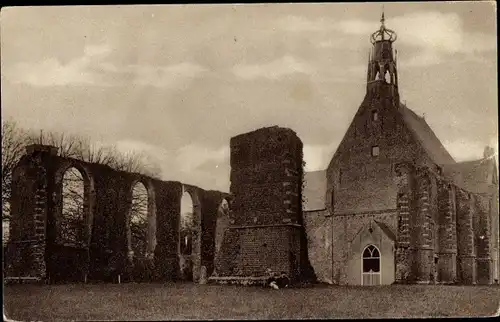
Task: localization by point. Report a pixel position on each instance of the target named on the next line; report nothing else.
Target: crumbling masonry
(34, 251)
(265, 231)
(391, 186)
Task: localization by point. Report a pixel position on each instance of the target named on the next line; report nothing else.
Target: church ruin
(266, 231)
(393, 206)
(102, 249)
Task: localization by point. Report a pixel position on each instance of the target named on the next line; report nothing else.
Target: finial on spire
(382, 20)
(383, 31)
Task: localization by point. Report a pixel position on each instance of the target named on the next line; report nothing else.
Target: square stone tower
(265, 218)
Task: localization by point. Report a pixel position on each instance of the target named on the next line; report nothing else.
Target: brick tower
(265, 229)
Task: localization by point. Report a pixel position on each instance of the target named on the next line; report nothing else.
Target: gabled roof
(383, 227)
(474, 176)
(314, 190)
(386, 230)
(424, 134)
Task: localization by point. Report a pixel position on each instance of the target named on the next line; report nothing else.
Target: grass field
(191, 301)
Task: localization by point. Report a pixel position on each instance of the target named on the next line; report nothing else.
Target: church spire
(382, 69)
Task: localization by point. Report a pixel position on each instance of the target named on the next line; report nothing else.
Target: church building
(393, 206)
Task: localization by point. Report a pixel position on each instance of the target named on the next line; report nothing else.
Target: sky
(176, 82)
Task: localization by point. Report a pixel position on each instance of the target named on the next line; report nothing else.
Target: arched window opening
(5, 227)
(186, 225)
(221, 224)
(371, 266)
(186, 230)
(387, 77)
(139, 221)
(224, 208)
(377, 76)
(72, 222)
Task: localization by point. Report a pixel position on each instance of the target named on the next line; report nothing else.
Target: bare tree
(72, 221)
(186, 224)
(139, 220)
(81, 148)
(14, 140)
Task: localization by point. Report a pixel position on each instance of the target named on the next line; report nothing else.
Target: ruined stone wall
(27, 242)
(318, 227)
(265, 221)
(34, 249)
(211, 226)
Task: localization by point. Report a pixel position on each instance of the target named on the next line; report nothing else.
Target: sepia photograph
(250, 161)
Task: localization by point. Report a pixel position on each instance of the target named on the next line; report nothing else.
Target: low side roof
(386, 230)
(474, 176)
(426, 136)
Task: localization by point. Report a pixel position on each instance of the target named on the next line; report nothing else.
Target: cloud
(184, 164)
(167, 76)
(276, 69)
(99, 51)
(425, 58)
(355, 27)
(52, 73)
(209, 167)
(192, 156)
(436, 35)
(299, 24)
(465, 149)
(317, 156)
(93, 69)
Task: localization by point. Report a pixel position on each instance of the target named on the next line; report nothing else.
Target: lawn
(190, 301)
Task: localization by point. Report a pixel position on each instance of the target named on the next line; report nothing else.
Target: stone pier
(265, 220)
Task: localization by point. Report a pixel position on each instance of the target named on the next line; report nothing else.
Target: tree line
(16, 138)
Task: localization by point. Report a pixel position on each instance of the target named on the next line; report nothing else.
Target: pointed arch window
(371, 266)
(388, 77)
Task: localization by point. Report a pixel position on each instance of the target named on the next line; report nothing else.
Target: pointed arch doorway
(370, 266)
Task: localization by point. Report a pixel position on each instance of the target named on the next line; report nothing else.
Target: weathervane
(382, 20)
(380, 35)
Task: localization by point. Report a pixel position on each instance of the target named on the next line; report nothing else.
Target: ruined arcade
(102, 251)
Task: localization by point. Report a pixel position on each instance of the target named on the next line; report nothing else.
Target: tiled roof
(424, 134)
(314, 190)
(474, 176)
(386, 230)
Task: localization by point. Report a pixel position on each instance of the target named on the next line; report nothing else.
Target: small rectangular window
(375, 151)
(374, 115)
